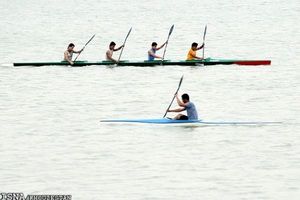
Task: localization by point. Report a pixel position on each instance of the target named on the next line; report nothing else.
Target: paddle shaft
(170, 32)
(124, 45)
(170, 105)
(165, 50)
(84, 47)
(204, 41)
(173, 97)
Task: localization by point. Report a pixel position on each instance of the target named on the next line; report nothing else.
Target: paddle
(170, 32)
(174, 96)
(84, 47)
(124, 45)
(204, 41)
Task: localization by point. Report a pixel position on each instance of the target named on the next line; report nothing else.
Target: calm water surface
(51, 138)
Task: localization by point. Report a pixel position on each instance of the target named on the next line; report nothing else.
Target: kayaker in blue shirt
(152, 51)
(185, 104)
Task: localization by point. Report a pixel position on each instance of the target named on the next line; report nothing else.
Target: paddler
(152, 51)
(185, 104)
(111, 50)
(192, 52)
(68, 54)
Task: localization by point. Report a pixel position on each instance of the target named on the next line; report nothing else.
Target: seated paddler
(68, 54)
(185, 105)
(152, 52)
(192, 54)
(111, 50)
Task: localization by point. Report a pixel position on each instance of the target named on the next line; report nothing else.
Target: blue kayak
(172, 121)
(152, 121)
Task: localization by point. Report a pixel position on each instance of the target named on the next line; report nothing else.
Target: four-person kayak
(207, 61)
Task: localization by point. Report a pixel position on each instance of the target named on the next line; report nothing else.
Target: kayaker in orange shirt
(192, 52)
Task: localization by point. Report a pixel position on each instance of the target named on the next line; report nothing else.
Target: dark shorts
(183, 117)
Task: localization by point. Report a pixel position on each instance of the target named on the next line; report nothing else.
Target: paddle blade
(128, 33)
(171, 29)
(180, 82)
(204, 33)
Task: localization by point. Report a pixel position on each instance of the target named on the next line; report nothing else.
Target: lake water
(53, 143)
